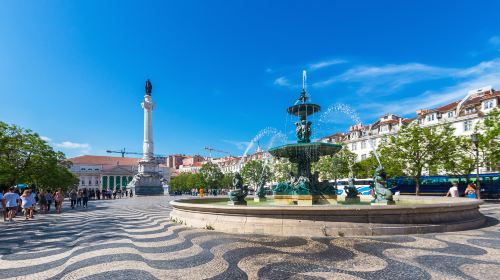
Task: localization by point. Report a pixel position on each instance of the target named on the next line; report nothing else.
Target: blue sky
(222, 71)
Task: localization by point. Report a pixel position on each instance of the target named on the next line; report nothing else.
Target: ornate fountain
(304, 188)
(352, 217)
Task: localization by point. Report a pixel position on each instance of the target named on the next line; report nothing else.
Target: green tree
(253, 170)
(462, 158)
(26, 158)
(227, 181)
(179, 182)
(489, 139)
(416, 149)
(281, 169)
(194, 180)
(336, 166)
(365, 167)
(212, 175)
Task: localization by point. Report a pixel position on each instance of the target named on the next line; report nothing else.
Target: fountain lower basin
(411, 215)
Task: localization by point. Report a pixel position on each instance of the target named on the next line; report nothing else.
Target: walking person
(85, 198)
(79, 198)
(48, 197)
(11, 200)
(73, 196)
(33, 197)
(58, 198)
(27, 205)
(42, 201)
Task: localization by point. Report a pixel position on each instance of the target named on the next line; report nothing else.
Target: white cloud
(269, 70)
(72, 145)
(83, 148)
(435, 98)
(495, 42)
(326, 63)
(282, 81)
(387, 77)
(45, 138)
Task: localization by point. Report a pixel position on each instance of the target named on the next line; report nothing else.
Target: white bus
(363, 185)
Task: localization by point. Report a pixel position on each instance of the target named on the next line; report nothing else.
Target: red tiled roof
(448, 107)
(388, 122)
(105, 160)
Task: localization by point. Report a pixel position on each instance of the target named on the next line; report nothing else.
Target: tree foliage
(26, 158)
(415, 149)
(211, 174)
(281, 170)
(336, 166)
(489, 139)
(253, 171)
(227, 181)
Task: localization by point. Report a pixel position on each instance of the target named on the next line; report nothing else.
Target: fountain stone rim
(446, 214)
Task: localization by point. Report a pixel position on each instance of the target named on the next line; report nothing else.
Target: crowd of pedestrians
(201, 192)
(15, 201)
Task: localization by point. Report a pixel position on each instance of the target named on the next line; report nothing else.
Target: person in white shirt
(453, 191)
(26, 204)
(11, 200)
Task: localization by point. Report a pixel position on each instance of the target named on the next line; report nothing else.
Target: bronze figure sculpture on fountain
(381, 194)
(239, 192)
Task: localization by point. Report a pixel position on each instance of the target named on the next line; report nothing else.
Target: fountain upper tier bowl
(303, 110)
(300, 151)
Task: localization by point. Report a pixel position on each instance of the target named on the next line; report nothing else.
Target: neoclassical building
(105, 172)
(463, 115)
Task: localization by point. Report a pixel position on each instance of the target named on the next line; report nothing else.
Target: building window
(488, 104)
(363, 144)
(354, 146)
(467, 125)
(83, 183)
(451, 114)
(430, 117)
(470, 110)
(363, 157)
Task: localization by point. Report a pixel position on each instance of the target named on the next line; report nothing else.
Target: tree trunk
(417, 185)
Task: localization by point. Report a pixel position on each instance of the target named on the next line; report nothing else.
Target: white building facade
(463, 115)
(104, 172)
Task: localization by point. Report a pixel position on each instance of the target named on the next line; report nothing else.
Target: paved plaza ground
(134, 239)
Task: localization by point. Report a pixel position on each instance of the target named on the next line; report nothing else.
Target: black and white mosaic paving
(134, 239)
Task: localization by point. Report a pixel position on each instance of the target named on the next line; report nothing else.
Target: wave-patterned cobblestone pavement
(134, 239)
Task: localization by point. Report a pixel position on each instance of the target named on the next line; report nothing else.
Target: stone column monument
(148, 181)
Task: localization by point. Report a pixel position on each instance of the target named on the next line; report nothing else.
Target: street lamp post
(475, 140)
